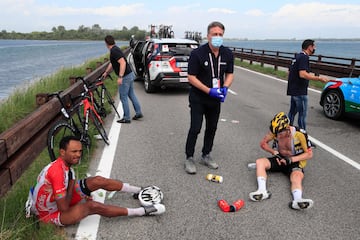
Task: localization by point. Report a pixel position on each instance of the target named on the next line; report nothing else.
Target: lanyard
(212, 66)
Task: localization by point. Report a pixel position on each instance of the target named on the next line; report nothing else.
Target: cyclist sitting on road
(58, 197)
(290, 153)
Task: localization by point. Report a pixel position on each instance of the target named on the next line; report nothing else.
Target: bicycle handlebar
(64, 107)
(85, 94)
(102, 78)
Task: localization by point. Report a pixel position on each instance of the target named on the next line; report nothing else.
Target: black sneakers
(138, 116)
(123, 120)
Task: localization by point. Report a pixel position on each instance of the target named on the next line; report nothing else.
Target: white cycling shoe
(301, 204)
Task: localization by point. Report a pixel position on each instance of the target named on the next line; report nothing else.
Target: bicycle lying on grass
(76, 120)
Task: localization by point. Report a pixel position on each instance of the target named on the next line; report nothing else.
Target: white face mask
(216, 41)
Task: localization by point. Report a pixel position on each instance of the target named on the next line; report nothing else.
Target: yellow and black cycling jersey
(299, 143)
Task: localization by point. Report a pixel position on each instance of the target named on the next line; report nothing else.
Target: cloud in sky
(242, 20)
(221, 11)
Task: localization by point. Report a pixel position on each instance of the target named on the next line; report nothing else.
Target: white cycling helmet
(150, 195)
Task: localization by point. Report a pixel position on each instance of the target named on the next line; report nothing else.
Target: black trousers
(211, 111)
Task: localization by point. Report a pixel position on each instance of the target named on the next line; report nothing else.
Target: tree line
(82, 33)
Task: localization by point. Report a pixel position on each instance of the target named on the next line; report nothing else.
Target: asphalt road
(151, 152)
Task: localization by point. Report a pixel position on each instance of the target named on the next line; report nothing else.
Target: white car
(161, 62)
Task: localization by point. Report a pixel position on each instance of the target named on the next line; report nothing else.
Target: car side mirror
(132, 42)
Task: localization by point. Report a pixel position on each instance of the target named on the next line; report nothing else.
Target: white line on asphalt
(317, 142)
(274, 78)
(335, 153)
(88, 227)
(232, 92)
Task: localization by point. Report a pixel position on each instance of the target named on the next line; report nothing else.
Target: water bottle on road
(214, 178)
(251, 166)
(237, 205)
(223, 205)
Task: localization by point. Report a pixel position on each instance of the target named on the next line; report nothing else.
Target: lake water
(23, 61)
(343, 49)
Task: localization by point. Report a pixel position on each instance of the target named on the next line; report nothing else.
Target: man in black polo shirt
(125, 80)
(210, 73)
(298, 82)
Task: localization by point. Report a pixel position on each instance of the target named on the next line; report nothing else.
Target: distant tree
(82, 28)
(61, 28)
(83, 32)
(96, 27)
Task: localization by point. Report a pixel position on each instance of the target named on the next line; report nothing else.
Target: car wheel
(333, 104)
(149, 88)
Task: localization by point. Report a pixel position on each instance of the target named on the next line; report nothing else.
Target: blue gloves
(219, 93)
(224, 91)
(216, 93)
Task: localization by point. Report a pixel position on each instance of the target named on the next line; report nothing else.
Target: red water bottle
(237, 205)
(223, 205)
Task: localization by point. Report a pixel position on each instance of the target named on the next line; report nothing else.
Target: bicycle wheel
(100, 128)
(110, 100)
(56, 133)
(99, 107)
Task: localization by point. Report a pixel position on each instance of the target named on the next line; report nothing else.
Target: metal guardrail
(26, 139)
(319, 64)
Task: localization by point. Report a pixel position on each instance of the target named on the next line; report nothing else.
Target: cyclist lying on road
(290, 153)
(60, 199)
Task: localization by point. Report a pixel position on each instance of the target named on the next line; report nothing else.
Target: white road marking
(335, 153)
(88, 227)
(232, 92)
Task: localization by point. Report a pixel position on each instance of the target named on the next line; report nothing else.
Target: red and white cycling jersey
(51, 185)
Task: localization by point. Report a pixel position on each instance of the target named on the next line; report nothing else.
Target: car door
(146, 53)
(355, 95)
(136, 58)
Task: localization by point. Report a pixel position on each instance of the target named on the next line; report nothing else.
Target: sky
(250, 19)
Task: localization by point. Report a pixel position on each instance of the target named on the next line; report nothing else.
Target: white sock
(261, 183)
(136, 211)
(297, 194)
(130, 189)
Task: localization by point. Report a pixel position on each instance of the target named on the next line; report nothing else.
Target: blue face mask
(216, 41)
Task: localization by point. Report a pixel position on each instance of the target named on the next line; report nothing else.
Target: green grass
(14, 225)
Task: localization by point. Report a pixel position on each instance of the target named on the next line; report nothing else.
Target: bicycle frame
(87, 100)
(89, 106)
(70, 127)
(104, 94)
(66, 113)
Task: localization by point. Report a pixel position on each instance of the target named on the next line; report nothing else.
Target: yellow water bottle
(214, 178)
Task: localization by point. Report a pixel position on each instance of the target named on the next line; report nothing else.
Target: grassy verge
(14, 225)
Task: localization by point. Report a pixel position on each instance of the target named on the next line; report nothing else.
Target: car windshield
(177, 48)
